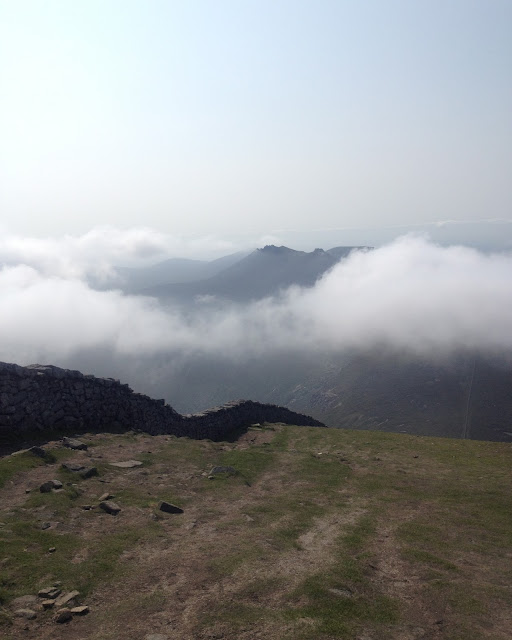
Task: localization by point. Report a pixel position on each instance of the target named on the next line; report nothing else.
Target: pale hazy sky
(200, 117)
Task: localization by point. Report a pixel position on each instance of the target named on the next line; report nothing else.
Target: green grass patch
(429, 559)
(250, 463)
(26, 547)
(19, 462)
(337, 611)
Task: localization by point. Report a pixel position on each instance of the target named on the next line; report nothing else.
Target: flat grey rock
(66, 598)
(110, 507)
(72, 466)
(80, 611)
(229, 470)
(128, 464)
(73, 443)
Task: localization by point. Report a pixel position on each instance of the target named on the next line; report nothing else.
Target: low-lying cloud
(409, 295)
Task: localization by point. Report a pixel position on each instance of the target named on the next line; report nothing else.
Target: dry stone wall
(41, 398)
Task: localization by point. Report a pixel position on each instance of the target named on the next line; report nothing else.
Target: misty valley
(387, 385)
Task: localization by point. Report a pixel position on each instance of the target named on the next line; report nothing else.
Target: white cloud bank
(409, 295)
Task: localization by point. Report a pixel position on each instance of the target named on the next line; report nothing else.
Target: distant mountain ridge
(264, 272)
(135, 280)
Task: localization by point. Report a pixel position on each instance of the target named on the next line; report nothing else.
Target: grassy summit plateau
(320, 534)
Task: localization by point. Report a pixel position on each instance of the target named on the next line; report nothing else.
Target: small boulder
(64, 615)
(105, 496)
(110, 507)
(73, 443)
(89, 472)
(50, 485)
(169, 508)
(48, 604)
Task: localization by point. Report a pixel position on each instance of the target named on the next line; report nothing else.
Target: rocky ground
(287, 532)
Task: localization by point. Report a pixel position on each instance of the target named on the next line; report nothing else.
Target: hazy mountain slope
(174, 270)
(264, 272)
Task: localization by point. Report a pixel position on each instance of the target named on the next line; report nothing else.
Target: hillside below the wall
(287, 532)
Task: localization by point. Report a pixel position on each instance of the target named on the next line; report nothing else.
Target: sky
(256, 119)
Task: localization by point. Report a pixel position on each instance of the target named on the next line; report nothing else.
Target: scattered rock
(229, 470)
(105, 496)
(66, 598)
(52, 549)
(110, 507)
(46, 487)
(73, 443)
(28, 614)
(128, 464)
(86, 507)
(80, 611)
(48, 604)
(72, 466)
(89, 472)
(27, 490)
(169, 508)
(49, 593)
(50, 485)
(64, 615)
(46, 525)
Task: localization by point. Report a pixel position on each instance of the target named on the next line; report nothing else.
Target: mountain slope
(463, 397)
(263, 273)
(136, 279)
